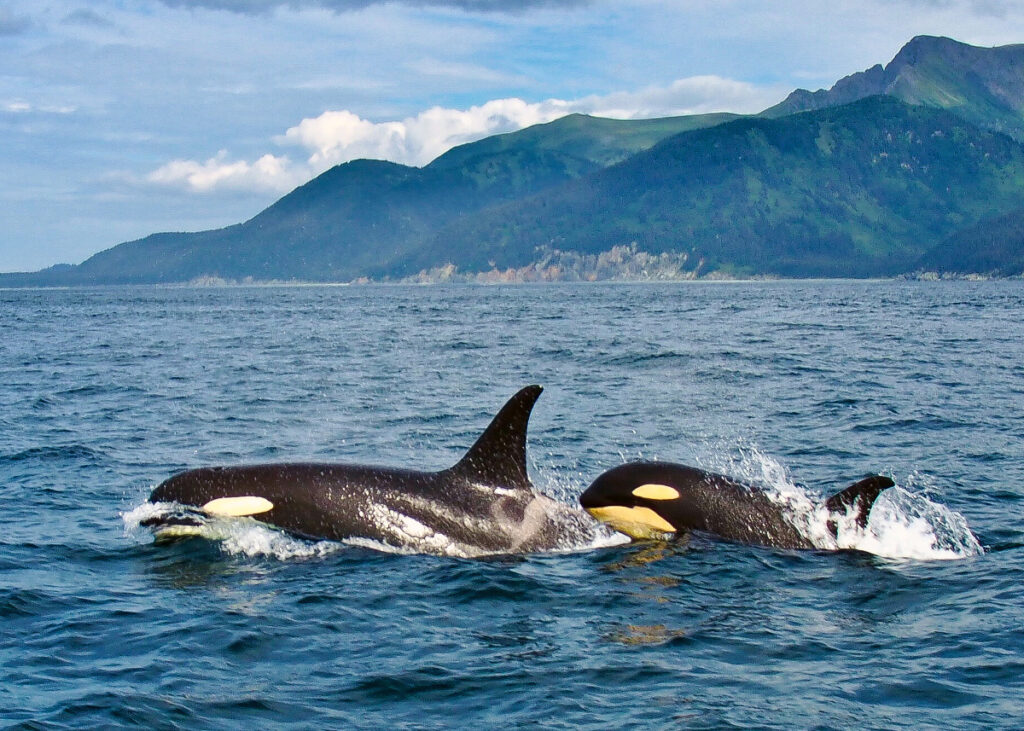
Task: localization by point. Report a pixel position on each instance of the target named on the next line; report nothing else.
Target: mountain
(892, 169)
(358, 218)
(985, 86)
(993, 247)
(595, 139)
(857, 190)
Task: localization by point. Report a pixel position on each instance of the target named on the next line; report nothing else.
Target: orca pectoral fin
(498, 457)
(859, 497)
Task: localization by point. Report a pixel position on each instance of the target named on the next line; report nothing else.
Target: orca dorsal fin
(859, 496)
(498, 457)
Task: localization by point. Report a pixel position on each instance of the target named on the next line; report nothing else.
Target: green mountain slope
(339, 226)
(595, 139)
(992, 247)
(983, 85)
(858, 190)
(356, 219)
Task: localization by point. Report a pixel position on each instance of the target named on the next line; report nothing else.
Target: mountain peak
(983, 85)
(932, 50)
(931, 44)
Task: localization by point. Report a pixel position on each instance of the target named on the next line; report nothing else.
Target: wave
(55, 453)
(236, 536)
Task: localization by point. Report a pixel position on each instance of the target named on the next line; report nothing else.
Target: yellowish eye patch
(236, 507)
(656, 492)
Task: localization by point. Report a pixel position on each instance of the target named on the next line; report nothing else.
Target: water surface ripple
(105, 392)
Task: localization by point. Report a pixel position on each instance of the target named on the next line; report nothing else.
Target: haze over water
(800, 387)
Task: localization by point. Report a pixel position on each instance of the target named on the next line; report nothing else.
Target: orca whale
(484, 504)
(655, 499)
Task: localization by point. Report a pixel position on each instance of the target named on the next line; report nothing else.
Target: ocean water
(798, 387)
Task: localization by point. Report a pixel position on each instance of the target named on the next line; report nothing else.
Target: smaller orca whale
(485, 504)
(652, 499)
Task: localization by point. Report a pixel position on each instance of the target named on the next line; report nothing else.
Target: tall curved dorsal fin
(498, 457)
(859, 496)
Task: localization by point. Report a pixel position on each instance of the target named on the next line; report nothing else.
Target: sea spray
(236, 536)
(904, 523)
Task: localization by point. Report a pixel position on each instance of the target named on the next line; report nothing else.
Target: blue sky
(120, 118)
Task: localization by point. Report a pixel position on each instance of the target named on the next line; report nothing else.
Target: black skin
(335, 502)
(719, 505)
(485, 502)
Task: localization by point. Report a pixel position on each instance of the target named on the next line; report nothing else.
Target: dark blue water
(800, 387)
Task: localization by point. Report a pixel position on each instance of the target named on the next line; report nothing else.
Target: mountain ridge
(773, 196)
(776, 194)
(355, 218)
(984, 85)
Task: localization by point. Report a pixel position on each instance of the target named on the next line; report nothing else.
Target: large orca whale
(484, 504)
(654, 499)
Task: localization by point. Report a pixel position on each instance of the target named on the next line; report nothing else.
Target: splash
(904, 523)
(580, 530)
(236, 536)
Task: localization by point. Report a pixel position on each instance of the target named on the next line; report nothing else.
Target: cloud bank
(255, 7)
(989, 8)
(336, 137)
(339, 136)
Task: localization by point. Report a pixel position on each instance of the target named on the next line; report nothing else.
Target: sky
(121, 118)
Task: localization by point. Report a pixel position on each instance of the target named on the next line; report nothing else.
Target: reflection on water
(634, 570)
(642, 553)
(650, 634)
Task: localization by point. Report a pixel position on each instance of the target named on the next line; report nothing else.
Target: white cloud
(463, 73)
(339, 136)
(694, 95)
(269, 173)
(336, 137)
(341, 6)
(19, 106)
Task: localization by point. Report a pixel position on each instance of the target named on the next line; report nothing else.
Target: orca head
(640, 499)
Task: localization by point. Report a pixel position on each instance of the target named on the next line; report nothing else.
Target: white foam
(246, 537)
(133, 518)
(581, 531)
(236, 536)
(903, 524)
(379, 546)
(603, 537)
(908, 525)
